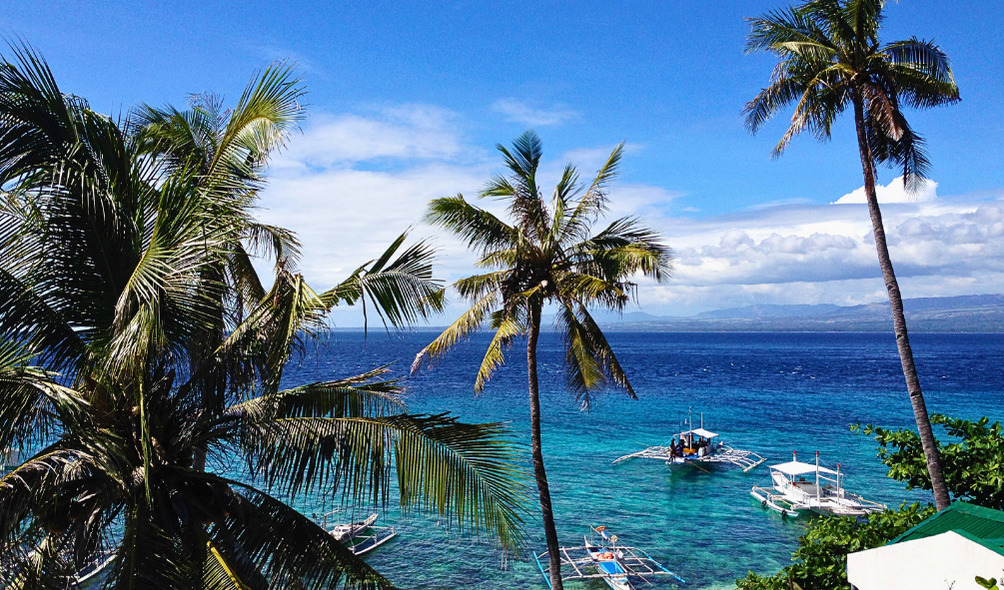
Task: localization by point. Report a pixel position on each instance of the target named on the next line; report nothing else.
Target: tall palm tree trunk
(550, 533)
(941, 497)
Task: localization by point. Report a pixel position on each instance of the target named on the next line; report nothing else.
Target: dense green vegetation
(974, 460)
(831, 58)
(821, 557)
(548, 255)
(973, 473)
(141, 356)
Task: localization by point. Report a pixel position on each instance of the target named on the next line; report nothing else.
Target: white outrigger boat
(361, 536)
(605, 559)
(797, 487)
(344, 532)
(697, 447)
(95, 567)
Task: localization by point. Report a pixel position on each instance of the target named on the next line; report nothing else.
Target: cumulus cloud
(826, 254)
(894, 192)
(413, 132)
(351, 183)
(520, 112)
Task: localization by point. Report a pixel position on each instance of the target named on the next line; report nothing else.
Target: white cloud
(520, 112)
(353, 182)
(414, 132)
(894, 192)
(825, 254)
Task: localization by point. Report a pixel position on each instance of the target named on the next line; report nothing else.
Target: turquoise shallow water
(771, 393)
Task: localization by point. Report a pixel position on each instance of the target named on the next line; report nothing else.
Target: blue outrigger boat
(605, 559)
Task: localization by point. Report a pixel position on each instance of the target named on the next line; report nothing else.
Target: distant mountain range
(971, 313)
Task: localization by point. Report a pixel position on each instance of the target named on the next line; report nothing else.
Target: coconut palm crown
(548, 255)
(831, 58)
(141, 358)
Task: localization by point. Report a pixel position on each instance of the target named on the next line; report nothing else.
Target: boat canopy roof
(799, 468)
(698, 432)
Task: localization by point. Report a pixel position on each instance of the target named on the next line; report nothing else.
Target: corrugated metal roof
(981, 525)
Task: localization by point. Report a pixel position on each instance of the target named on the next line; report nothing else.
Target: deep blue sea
(772, 393)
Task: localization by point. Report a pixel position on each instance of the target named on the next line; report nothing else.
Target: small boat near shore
(605, 559)
(95, 567)
(698, 448)
(361, 536)
(797, 487)
(344, 532)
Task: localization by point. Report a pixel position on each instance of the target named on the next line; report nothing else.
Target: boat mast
(690, 427)
(817, 476)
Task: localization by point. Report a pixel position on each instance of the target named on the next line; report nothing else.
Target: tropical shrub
(974, 472)
(821, 557)
(974, 460)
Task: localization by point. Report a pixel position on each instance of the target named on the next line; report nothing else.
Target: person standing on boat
(672, 448)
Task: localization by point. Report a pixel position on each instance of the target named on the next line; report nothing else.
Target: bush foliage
(974, 472)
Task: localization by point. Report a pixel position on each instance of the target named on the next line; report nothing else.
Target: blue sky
(407, 100)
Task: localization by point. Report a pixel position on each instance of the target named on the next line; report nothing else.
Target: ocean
(772, 393)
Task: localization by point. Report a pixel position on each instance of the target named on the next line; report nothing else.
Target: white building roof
(947, 560)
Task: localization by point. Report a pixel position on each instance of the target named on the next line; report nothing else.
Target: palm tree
(831, 58)
(548, 255)
(126, 287)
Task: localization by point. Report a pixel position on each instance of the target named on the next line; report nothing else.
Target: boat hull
(606, 563)
(776, 503)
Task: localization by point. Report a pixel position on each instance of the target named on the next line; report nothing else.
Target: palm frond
(400, 286)
(268, 109)
(359, 395)
(526, 207)
(461, 328)
(468, 473)
(593, 202)
(475, 287)
(788, 33)
(584, 373)
(279, 243)
(507, 328)
(622, 249)
(589, 352)
(922, 72)
(289, 549)
(34, 406)
(148, 556)
(263, 342)
(31, 488)
(219, 573)
(482, 230)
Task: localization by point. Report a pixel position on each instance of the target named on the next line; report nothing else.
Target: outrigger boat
(85, 577)
(344, 532)
(798, 487)
(95, 567)
(604, 559)
(697, 447)
(361, 536)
